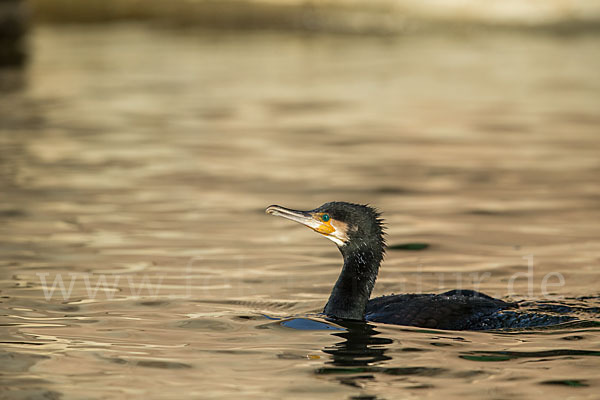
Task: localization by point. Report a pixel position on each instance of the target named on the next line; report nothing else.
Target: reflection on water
(135, 165)
(355, 358)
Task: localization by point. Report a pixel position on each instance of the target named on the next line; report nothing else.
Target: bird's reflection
(354, 360)
(361, 346)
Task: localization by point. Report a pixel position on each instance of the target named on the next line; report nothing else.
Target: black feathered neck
(363, 252)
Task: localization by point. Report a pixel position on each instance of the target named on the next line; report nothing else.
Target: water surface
(136, 163)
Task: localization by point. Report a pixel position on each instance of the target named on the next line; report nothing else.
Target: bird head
(344, 223)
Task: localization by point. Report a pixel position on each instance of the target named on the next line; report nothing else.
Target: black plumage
(358, 231)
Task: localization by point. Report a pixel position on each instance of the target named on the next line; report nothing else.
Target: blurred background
(142, 138)
(343, 16)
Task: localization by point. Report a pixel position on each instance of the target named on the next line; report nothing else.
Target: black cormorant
(358, 232)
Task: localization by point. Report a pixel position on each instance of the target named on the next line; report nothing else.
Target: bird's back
(454, 310)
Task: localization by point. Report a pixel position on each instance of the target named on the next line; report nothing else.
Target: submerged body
(358, 232)
(455, 310)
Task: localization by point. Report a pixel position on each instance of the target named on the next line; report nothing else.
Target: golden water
(146, 158)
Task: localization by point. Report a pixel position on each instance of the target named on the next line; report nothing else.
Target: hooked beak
(331, 229)
(305, 218)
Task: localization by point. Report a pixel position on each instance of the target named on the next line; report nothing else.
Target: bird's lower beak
(304, 217)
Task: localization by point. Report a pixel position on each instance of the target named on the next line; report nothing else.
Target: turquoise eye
(325, 217)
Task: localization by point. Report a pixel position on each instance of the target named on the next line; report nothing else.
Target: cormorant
(358, 232)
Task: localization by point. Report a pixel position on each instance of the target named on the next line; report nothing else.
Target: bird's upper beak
(333, 230)
(306, 218)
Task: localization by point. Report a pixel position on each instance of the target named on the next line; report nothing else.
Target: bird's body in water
(358, 232)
